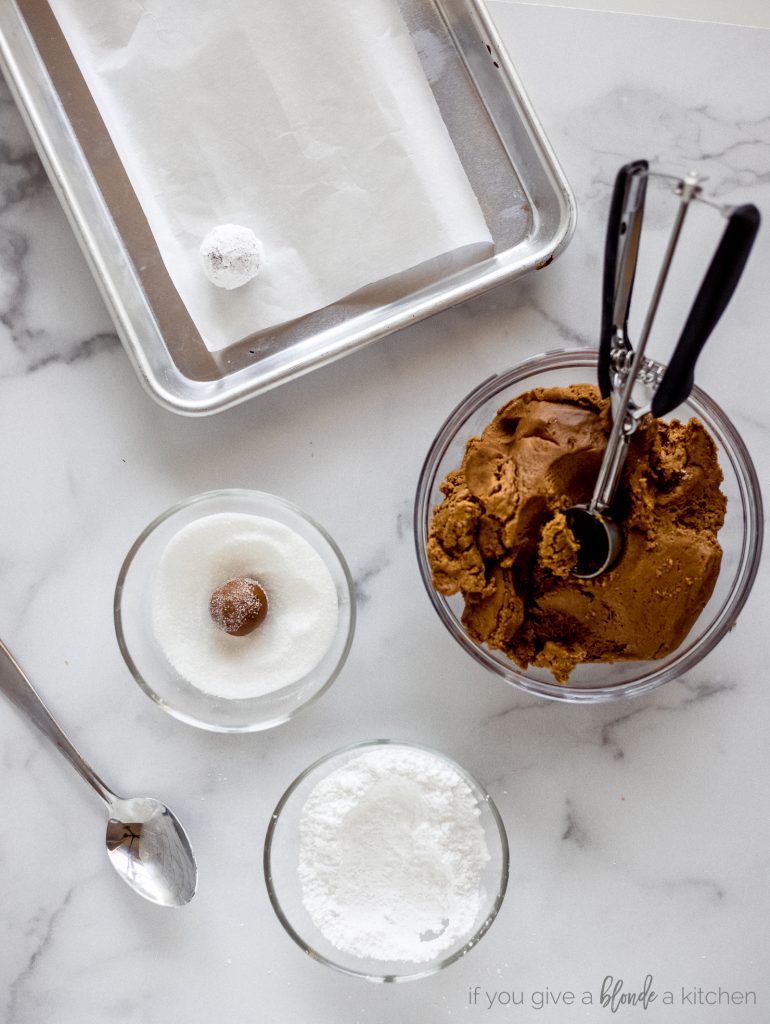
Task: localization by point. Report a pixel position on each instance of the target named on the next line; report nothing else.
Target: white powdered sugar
(392, 853)
(231, 256)
(302, 615)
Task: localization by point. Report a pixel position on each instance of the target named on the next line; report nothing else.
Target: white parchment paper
(309, 122)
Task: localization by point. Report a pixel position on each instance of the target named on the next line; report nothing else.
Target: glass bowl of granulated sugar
(233, 610)
(386, 860)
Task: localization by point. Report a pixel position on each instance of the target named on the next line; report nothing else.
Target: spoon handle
(20, 691)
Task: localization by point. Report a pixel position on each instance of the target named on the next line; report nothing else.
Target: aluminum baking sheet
(524, 196)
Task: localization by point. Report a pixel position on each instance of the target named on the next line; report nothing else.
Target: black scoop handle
(609, 281)
(715, 292)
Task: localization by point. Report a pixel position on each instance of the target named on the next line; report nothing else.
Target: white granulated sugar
(302, 600)
(231, 256)
(392, 853)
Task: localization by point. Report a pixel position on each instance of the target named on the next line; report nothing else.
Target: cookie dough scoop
(598, 536)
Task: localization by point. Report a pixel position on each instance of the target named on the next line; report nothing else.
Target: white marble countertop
(639, 831)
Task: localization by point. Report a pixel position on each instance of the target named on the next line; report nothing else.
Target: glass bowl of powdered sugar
(386, 860)
(233, 610)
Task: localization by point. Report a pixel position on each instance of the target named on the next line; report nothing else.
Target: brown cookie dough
(499, 536)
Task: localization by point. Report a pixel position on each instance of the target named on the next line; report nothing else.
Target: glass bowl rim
(748, 484)
(179, 506)
(479, 792)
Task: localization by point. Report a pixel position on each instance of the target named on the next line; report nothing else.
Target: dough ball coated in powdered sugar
(232, 255)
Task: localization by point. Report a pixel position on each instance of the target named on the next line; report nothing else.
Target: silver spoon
(599, 538)
(146, 844)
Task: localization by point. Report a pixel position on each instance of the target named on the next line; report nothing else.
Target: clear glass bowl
(148, 664)
(281, 864)
(740, 537)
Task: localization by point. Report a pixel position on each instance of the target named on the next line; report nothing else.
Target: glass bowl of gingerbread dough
(233, 610)
(495, 555)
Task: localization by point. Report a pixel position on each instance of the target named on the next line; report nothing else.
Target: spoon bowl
(150, 851)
